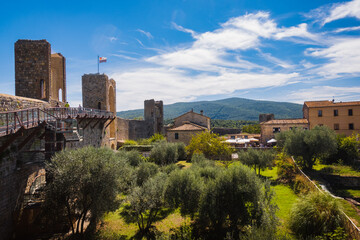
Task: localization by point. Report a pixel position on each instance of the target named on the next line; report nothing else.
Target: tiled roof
(330, 103)
(287, 121)
(188, 126)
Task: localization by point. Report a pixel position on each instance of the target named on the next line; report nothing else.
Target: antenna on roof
(333, 100)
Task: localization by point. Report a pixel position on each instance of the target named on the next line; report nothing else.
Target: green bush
(145, 171)
(181, 150)
(315, 215)
(286, 171)
(133, 157)
(164, 153)
(130, 142)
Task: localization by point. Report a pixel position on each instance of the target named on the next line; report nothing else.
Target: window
(276, 129)
(351, 126)
(336, 112)
(320, 124)
(350, 112)
(42, 89)
(319, 113)
(336, 126)
(176, 135)
(232, 137)
(99, 105)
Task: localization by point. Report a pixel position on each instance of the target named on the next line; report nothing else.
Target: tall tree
(309, 144)
(259, 159)
(83, 184)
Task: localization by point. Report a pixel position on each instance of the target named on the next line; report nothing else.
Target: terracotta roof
(188, 126)
(191, 112)
(287, 121)
(330, 103)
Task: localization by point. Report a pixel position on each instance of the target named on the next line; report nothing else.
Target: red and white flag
(102, 59)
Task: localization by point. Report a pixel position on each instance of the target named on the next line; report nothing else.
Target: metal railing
(12, 121)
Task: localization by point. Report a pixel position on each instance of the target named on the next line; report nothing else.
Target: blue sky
(191, 50)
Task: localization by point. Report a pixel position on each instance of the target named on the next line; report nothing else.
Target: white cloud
(339, 11)
(147, 34)
(182, 29)
(325, 93)
(173, 85)
(300, 31)
(343, 55)
(347, 29)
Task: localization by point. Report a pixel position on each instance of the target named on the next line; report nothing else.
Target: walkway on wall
(13, 121)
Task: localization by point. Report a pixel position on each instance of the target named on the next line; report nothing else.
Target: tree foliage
(235, 199)
(308, 144)
(314, 215)
(210, 145)
(347, 150)
(259, 159)
(252, 128)
(83, 184)
(164, 153)
(146, 201)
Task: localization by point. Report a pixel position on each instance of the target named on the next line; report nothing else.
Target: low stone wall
(13, 103)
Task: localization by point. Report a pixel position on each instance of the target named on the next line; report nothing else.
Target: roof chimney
(201, 112)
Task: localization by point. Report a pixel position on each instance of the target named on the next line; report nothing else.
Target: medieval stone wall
(32, 69)
(94, 91)
(13, 103)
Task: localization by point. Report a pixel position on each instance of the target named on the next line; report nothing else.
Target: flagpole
(98, 64)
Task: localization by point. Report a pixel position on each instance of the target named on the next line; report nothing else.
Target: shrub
(133, 157)
(164, 153)
(145, 171)
(210, 145)
(314, 215)
(286, 171)
(130, 142)
(181, 150)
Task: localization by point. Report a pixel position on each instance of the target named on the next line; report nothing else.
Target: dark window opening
(320, 113)
(42, 89)
(276, 129)
(336, 112)
(350, 112)
(176, 135)
(336, 126)
(351, 126)
(99, 105)
(232, 137)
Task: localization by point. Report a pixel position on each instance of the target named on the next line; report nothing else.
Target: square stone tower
(154, 115)
(38, 73)
(99, 92)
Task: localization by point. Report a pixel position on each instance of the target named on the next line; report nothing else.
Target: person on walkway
(67, 104)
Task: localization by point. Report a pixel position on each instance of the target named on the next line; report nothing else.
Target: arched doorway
(60, 96)
(42, 89)
(112, 109)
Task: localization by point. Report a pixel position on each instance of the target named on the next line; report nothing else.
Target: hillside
(230, 109)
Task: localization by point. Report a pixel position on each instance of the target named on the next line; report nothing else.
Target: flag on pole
(102, 59)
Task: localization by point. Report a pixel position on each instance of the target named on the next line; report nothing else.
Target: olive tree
(235, 199)
(259, 159)
(83, 184)
(309, 144)
(146, 201)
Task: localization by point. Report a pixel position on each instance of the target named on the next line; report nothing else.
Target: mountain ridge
(228, 109)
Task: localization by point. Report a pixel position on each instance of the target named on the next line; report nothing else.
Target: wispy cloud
(182, 29)
(147, 34)
(347, 29)
(342, 10)
(325, 93)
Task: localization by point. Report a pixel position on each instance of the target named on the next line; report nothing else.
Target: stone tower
(99, 92)
(38, 73)
(154, 115)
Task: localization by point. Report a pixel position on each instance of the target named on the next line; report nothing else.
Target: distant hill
(229, 109)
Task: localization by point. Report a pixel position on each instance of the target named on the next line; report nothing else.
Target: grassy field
(337, 169)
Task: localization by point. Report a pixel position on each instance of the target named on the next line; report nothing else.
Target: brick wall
(12, 103)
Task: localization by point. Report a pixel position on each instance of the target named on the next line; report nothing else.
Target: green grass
(350, 211)
(184, 164)
(284, 198)
(114, 227)
(337, 169)
(270, 173)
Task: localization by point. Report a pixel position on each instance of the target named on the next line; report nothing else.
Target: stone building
(136, 129)
(271, 127)
(38, 73)
(342, 117)
(186, 126)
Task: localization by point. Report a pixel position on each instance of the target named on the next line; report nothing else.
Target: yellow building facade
(342, 117)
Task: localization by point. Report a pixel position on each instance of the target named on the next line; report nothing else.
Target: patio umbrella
(272, 141)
